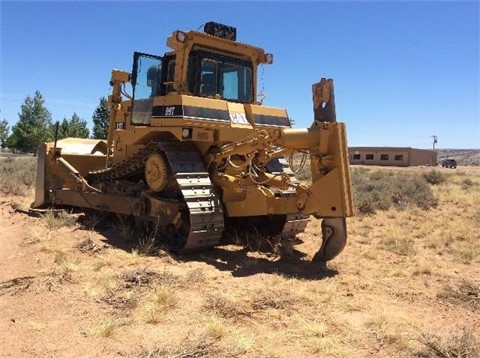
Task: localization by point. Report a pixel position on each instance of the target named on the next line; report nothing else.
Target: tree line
(35, 125)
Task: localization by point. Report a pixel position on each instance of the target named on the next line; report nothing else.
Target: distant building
(391, 156)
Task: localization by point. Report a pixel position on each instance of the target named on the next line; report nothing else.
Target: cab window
(170, 76)
(147, 71)
(236, 83)
(208, 85)
(215, 75)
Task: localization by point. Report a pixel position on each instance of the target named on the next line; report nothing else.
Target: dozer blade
(69, 159)
(40, 189)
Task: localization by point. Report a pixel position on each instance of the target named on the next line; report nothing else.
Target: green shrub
(371, 195)
(413, 189)
(381, 190)
(434, 177)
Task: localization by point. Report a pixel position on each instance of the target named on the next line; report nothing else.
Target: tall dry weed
(17, 175)
(461, 344)
(55, 219)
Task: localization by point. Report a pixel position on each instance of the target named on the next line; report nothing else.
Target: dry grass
(463, 344)
(157, 305)
(105, 327)
(190, 348)
(467, 294)
(399, 241)
(273, 299)
(407, 277)
(55, 219)
(226, 306)
(393, 329)
(17, 175)
(102, 286)
(216, 327)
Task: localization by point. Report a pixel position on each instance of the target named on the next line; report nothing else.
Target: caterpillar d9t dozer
(193, 151)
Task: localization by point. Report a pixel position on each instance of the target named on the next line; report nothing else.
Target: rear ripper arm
(329, 194)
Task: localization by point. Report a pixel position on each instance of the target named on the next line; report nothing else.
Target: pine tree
(101, 118)
(75, 127)
(63, 129)
(4, 129)
(34, 125)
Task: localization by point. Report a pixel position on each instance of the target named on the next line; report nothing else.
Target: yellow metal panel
(327, 197)
(86, 163)
(204, 102)
(267, 116)
(273, 111)
(77, 145)
(260, 201)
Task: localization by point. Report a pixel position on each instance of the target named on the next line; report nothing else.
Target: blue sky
(403, 71)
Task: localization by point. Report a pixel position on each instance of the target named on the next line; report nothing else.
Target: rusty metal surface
(324, 101)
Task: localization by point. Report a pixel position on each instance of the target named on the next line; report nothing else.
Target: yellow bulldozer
(192, 150)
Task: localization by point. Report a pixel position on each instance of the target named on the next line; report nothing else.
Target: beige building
(391, 156)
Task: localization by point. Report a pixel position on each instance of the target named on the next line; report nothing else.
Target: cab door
(147, 84)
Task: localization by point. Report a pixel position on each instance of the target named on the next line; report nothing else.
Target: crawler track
(201, 224)
(204, 225)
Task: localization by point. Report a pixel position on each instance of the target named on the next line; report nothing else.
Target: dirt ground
(74, 292)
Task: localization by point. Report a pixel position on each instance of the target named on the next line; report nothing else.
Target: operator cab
(211, 71)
